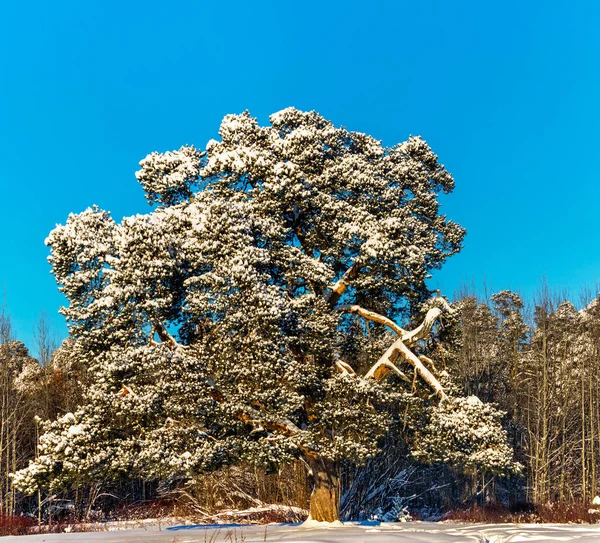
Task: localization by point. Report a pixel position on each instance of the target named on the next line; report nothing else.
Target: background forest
(539, 361)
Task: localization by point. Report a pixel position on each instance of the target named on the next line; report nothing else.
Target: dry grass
(11, 525)
(553, 513)
(240, 488)
(160, 508)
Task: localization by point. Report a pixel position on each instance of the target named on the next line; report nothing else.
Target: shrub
(12, 525)
(555, 513)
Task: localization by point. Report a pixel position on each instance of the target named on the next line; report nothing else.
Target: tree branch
(343, 368)
(424, 329)
(165, 337)
(400, 348)
(334, 292)
(426, 360)
(383, 368)
(423, 372)
(372, 316)
(250, 415)
(253, 417)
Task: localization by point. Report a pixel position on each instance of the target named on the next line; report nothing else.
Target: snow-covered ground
(413, 532)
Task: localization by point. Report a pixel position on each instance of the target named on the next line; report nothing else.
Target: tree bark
(325, 497)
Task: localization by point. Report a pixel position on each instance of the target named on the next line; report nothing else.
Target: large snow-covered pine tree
(252, 314)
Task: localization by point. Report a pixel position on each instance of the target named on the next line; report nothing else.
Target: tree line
(540, 363)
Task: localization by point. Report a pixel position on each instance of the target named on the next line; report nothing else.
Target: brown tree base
(325, 497)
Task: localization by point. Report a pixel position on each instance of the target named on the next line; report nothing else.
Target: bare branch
(253, 417)
(372, 316)
(343, 368)
(334, 292)
(424, 329)
(165, 337)
(400, 348)
(423, 372)
(427, 360)
(383, 368)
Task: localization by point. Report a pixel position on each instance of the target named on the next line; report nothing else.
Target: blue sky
(505, 92)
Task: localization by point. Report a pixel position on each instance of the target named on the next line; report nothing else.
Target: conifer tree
(232, 322)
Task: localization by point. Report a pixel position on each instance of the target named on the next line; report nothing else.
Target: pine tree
(252, 314)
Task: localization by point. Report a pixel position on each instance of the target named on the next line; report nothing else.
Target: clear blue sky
(507, 93)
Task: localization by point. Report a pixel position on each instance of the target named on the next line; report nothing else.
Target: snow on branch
(344, 368)
(421, 370)
(396, 349)
(383, 368)
(334, 292)
(372, 316)
(165, 337)
(424, 329)
(427, 360)
(400, 348)
(284, 425)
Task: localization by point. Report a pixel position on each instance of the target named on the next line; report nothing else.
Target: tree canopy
(252, 313)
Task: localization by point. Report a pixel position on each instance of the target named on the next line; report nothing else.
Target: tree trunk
(325, 497)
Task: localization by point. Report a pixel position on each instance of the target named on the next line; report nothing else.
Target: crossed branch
(401, 346)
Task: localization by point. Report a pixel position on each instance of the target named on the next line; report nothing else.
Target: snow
(75, 430)
(310, 523)
(366, 532)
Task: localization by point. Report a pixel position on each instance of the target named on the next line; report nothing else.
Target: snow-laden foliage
(467, 433)
(234, 320)
(168, 178)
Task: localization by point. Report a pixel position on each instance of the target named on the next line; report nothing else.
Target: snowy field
(413, 532)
